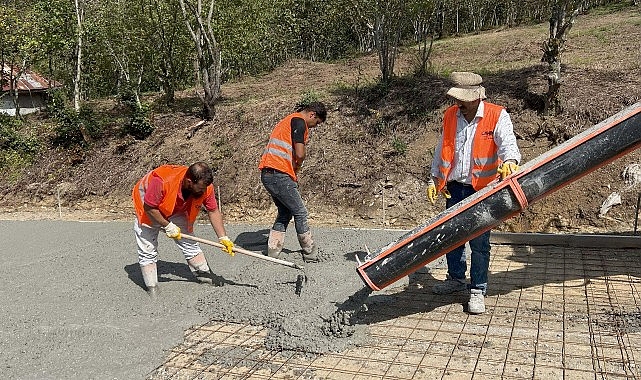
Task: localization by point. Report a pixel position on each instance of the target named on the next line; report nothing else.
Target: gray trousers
(285, 194)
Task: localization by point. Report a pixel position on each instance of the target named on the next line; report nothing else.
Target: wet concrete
(74, 307)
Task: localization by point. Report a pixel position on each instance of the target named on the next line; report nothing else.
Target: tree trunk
(560, 25)
(382, 47)
(425, 31)
(14, 76)
(456, 22)
(76, 85)
(424, 54)
(76, 82)
(208, 58)
(387, 35)
(168, 82)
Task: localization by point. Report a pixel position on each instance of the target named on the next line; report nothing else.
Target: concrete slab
(568, 240)
(73, 307)
(552, 312)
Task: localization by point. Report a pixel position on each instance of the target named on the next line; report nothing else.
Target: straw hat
(467, 86)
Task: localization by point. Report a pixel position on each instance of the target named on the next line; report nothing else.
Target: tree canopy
(145, 45)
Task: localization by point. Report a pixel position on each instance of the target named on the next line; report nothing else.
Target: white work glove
(507, 168)
(229, 245)
(173, 231)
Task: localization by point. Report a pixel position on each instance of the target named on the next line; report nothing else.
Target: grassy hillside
(367, 164)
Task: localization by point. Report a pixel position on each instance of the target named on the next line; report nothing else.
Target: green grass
(603, 34)
(12, 162)
(610, 8)
(602, 30)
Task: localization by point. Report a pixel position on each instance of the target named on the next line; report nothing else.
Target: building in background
(32, 91)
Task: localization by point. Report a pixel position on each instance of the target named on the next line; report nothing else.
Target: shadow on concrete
(171, 271)
(415, 298)
(257, 241)
(543, 265)
(351, 256)
(177, 271)
(552, 265)
(253, 240)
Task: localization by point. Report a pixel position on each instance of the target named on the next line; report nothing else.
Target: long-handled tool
(243, 251)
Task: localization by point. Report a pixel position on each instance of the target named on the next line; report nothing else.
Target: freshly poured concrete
(74, 307)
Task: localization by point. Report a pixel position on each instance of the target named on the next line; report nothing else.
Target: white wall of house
(29, 103)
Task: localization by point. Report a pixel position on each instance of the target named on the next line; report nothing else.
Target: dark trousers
(480, 246)
(285, 194)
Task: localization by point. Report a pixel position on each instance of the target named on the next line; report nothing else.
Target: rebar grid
(552, 312)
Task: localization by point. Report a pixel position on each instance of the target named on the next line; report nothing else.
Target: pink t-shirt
(154, 196)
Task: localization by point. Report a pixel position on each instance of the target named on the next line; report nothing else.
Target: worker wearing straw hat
(477, 145)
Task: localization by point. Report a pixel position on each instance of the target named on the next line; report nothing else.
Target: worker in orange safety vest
(477, 145)
(169, 198)
(279, 165)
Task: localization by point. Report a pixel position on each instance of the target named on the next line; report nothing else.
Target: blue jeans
(284, 192)
(480, 261)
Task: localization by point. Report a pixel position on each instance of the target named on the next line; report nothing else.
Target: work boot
(153, 292)
(200, 269)
(150, 277)
(449, 286)
(275, 243)
(309, 248)
(477, 302)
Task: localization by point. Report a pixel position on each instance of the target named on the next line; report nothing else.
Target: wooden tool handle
(243, 251)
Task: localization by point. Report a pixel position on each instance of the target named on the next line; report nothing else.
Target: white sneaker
(477, 302)
(449, 286)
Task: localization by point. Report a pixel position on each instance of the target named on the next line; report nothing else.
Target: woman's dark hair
(317, 107)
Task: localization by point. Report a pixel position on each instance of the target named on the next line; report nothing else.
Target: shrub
(400, 146)
(15, 150)
(308, 97)
(67, 132)
(140, 125)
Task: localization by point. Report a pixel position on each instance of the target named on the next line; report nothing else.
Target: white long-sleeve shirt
(504, 139)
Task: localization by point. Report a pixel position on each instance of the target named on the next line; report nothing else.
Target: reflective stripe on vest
(279, 152)
(485, 159)
(272, 145)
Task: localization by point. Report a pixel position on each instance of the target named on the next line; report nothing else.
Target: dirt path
(73, 305)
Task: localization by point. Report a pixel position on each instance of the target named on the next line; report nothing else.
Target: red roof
(29, 81)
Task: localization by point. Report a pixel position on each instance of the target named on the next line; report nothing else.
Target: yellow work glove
(229, 245)
(173, 231)
(446, 193)
(507, 168)
(432, 193)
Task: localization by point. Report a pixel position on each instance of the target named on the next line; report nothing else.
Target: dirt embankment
(368, 163)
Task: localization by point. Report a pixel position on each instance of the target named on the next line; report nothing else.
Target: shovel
(244, 251)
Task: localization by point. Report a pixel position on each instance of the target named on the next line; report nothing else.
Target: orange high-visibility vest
(279, 152)
(172, 178)
(485, 160)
